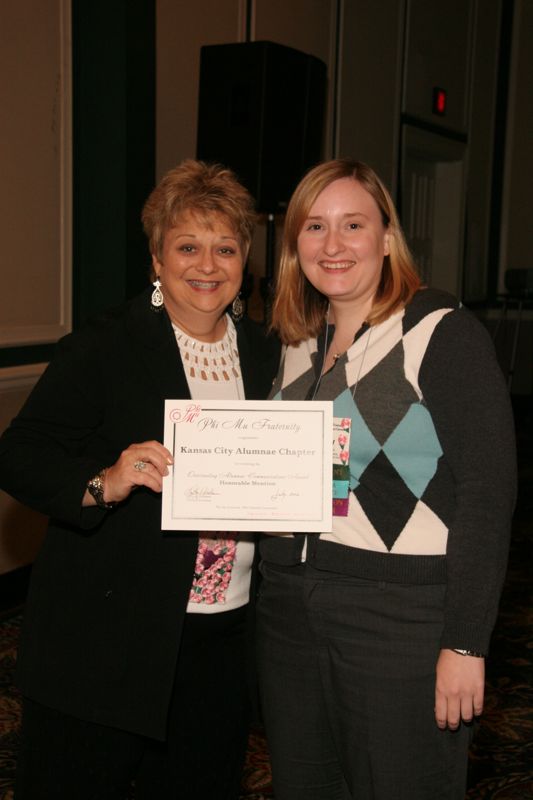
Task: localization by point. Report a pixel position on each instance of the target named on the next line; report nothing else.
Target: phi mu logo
(188, 414)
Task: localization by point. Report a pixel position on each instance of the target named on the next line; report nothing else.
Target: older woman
(127, 666)
(372, 637)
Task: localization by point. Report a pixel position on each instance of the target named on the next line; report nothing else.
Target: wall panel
(182, 29)
(438, 54)
(35, 171)
(302, 24)
(370, 84)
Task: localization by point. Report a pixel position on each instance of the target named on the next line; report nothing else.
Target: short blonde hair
(208, 191)
(299, 309)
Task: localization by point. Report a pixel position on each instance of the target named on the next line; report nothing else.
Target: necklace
(336, 355)
(336, 358)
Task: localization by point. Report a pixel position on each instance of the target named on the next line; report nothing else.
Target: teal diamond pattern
(415, 468)
(364, 447)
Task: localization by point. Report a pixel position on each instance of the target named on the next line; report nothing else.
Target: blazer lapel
(259, 359)
(158, 349)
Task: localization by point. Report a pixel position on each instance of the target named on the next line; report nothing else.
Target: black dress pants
(65, 758)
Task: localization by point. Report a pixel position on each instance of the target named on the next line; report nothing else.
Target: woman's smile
(200, 269)
(336, 266)
(342, 243)
(204, 285)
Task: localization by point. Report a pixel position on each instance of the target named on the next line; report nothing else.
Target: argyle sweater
(432, 459)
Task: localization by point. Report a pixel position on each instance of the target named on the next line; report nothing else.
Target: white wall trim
(14, 379)
(13, 336)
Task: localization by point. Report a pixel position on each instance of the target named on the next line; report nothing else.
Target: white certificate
(246, 465)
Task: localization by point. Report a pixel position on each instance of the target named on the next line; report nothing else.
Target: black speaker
(261, 112)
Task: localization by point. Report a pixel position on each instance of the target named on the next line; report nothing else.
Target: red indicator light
(439, 101)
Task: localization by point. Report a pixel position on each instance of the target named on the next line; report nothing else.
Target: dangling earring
(237, 309)
(156, 303)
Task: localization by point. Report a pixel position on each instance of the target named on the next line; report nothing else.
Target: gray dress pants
(347, 680)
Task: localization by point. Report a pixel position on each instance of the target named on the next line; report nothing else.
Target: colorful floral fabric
(212, 572)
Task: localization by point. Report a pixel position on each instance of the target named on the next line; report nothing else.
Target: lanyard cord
(319, 380)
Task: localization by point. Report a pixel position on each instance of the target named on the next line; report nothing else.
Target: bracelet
(95, 487)
(473, 653)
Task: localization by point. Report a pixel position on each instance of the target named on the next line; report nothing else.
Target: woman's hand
(459, 688)
(142, 464)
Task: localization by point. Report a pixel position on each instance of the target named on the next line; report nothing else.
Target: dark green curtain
(113, 149)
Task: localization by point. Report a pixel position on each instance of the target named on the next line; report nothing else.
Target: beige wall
(181, 30)
(35, 176)
(302, 24)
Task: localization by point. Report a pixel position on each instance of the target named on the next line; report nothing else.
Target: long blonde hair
(299, 309)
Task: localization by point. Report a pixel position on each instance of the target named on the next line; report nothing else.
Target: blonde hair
(207, 191)
(299, 309)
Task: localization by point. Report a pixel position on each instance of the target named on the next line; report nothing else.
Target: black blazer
(109, 590)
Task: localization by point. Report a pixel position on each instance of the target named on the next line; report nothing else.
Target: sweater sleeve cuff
(466, 636)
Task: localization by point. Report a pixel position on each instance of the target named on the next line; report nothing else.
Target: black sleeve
(44, 459)
(466, 394)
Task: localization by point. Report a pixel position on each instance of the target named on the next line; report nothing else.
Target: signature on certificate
(197, 492)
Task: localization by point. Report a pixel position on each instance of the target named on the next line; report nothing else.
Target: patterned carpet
(501, 763)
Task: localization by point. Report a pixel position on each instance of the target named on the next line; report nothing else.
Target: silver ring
(139, 465)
